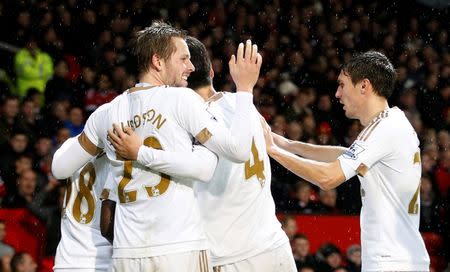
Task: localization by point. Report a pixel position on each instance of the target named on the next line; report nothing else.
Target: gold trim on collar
(215, 97)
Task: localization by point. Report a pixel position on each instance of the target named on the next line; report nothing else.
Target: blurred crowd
(66, 58)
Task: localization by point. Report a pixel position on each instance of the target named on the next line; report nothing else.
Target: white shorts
(279, 259)
(192, 261)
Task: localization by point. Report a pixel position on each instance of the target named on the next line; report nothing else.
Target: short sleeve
(363, 154)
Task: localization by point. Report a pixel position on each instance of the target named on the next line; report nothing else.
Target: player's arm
(109, 199)
(107, 219)
(70, 157)
(77, 151)
(324, 153)
(234, 143)
(198, 164)
(326, 175)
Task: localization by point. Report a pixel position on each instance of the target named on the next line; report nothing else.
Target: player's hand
(125, 141)
(245, 66)
(270, 145)
(52, 183)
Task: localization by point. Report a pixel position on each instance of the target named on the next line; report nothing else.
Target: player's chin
(183, 83)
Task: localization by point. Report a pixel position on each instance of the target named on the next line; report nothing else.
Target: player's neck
(152, 77)
(206, 91)
(376, 106)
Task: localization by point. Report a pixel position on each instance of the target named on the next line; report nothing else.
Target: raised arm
(323, 153)
(235, 144)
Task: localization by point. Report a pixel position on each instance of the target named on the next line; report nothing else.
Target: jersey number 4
(152, 191)
(257, 168)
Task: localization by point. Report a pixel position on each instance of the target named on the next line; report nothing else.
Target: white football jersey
(237, 204)
(82, 246)
(386, 157)
(156, 214)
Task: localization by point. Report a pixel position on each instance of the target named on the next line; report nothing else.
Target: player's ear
(157, 62)
(365, 85)
(211, 73)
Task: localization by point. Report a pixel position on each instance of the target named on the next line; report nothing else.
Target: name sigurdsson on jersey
(149, 116)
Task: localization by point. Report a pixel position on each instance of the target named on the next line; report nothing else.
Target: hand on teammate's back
(245, 66)
(126, 142)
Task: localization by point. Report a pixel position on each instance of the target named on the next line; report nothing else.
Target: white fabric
(69, 158)
(192, 261)
(150, 222)
(239, 213)
(82, 246)
(275, 260)
(198, 164)
(389, 233)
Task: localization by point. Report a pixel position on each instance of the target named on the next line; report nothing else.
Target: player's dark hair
(200, 59)
(375, 67)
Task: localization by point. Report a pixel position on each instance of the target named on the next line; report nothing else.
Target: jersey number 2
(152, 191)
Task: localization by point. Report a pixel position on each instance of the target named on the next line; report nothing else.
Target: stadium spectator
(429, 206)
(329, 257)
(302, 254)
(58, 88)
(327, 204)
(23, 262)
(6, 251)
(75, 123)
(354, 258)
(102, 93)
(29, 121)
(289, 225)
(303, 202)
(8, 118)
(10, 151)
(33, 67)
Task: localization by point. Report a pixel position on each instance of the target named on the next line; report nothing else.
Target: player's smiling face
(179, 65)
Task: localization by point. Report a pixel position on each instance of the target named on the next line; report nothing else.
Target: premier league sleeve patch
(353, 151)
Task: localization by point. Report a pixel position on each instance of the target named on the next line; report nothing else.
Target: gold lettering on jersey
(413, 207)
(362, 169)
(159, 121)
(161, 187)
(257, 168)
(416, 158)
(126, 196)
(142, 119)
(137, 120)
(152, 191)
(85, 192)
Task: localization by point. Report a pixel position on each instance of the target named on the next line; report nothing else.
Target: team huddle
(174, 176)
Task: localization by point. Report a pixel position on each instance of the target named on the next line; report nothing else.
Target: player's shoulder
(183, 94)
(390, 124)
(227, 99)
